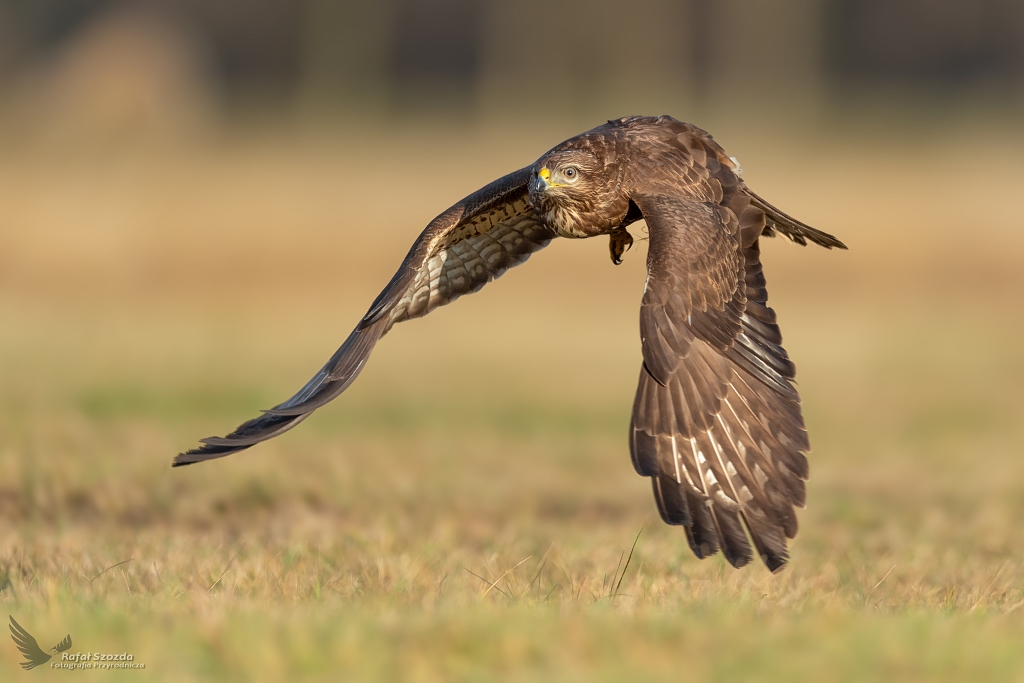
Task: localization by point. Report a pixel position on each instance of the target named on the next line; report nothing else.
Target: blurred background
(120, 67)
(198, 199)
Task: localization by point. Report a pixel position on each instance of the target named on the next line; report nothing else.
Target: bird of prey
(716, 422)
(34, 655)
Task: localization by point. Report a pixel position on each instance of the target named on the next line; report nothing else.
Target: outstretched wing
(461, 250)
(28, 646)
(716, 422)
(63, 645)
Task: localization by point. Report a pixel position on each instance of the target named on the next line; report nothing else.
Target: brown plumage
(716, 421)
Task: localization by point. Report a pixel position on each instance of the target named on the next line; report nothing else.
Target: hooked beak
(543, 180)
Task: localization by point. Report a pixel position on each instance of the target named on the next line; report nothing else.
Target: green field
(464, 511)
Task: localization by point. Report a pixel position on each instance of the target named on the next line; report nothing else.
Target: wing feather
(713, 358)
(459, 252)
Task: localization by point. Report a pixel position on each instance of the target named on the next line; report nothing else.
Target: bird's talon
(619, 243)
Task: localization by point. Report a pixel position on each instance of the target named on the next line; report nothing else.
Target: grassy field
(464, 511)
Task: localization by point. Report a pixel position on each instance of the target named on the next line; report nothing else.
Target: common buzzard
(716, 421)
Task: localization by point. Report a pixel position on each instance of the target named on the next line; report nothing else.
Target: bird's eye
(571, 173)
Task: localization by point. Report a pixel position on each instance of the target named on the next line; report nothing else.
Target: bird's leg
(619, 243)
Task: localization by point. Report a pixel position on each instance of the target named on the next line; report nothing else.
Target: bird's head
(565, 188)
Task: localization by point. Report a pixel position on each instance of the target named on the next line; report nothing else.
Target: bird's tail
(791, 227)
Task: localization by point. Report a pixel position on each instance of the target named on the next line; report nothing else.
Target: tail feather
(792, 228)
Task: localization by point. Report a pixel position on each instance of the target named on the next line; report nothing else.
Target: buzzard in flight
(716, 421)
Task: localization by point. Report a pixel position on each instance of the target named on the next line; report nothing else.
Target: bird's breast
(565, 222)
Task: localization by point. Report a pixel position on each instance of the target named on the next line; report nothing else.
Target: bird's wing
(28, 646)
(459, 252)
(63, 645)
(716, 422)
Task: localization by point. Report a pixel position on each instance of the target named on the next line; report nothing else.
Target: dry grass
(464, 511)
